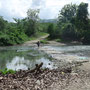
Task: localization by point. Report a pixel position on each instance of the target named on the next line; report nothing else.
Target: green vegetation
(11, 34)
(38, 35)
(21, 30)
(7, 71)
(73, 24)
(58, 40)
(44, 41)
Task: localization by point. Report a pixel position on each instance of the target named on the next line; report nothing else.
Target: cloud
(14, 8)
(38, 3)
(48, 8)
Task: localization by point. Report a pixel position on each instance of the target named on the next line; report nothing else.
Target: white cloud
(18, 8)
(14, 8)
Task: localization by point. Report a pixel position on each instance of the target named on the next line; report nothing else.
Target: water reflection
(17, 57)
(17, 63)
(21, 57)
(22, 63)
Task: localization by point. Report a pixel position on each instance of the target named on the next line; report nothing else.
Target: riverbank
(56, 79)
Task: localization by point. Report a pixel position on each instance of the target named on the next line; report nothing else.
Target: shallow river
(79, 50)
(23, 57)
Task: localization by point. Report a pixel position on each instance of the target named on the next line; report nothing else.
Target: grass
(44, 41)
(7, 71)
(32, 38)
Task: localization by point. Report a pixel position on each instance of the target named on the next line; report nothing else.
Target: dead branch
(36, 69)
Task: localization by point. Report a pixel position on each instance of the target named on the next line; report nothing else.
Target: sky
(49, 9)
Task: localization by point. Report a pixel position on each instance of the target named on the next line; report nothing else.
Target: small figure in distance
(38, 44)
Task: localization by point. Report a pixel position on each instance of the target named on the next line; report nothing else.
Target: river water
(79, 50)
(24, 57)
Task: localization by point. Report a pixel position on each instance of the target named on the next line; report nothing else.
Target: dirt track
(33, 42)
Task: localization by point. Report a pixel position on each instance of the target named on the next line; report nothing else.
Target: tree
(82, 22)
(68, 32)
(82, 17)
(2, 24)
(51, 30)
(20, 24)
(67, 13)
(65, 17)
(32, 21)
(33, 14)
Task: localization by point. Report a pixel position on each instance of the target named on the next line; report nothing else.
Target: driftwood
(36, 69)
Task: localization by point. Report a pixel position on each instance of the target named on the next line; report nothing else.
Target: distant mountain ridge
(48, 20)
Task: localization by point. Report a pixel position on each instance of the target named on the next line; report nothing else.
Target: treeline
(21, 30)
(73, 24)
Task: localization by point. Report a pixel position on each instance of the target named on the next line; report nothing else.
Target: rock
(1, 78)
(38, 82)
(74, 74)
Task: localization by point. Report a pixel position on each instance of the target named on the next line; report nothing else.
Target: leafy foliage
(73, 24)
(67, 13)
(7, 71)
(82, 17)
(68, 32)
(2, 24)
(20, 30)
(53, 31)
(81, 22)
(32, 22)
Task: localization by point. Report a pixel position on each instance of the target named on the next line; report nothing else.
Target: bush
(12, 36)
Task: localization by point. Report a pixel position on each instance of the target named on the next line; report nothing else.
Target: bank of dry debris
(45, 79)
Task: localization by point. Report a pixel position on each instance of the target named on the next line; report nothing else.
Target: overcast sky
(49, 9)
